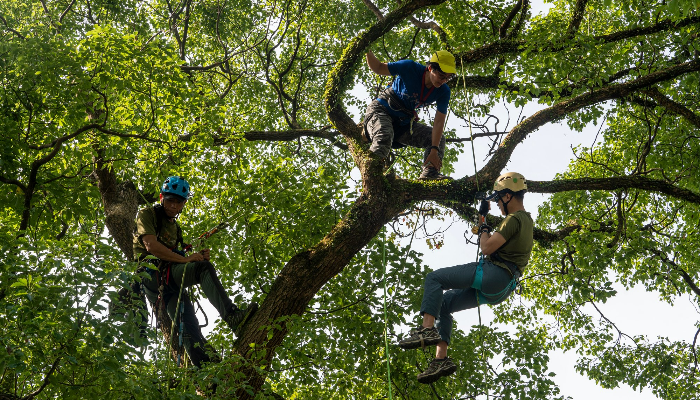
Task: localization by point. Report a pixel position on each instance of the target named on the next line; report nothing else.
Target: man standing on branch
(489, 281)
(157, 233)
(391, 119)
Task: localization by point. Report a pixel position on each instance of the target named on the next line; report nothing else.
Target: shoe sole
(416, 344)
(433, 378)
(249, 313)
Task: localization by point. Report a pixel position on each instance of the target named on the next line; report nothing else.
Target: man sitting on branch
(157, 233)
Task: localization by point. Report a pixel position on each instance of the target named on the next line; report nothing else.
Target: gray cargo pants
(383, 130)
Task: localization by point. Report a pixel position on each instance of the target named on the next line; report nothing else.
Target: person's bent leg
(380, 129)
(453, 301)
(203, 273)
(436, 282)
(458, 276)
(422, 137)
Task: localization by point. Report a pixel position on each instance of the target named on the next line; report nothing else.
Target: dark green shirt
(146, 224)
(517, 229)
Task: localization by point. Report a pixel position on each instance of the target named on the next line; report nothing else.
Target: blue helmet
(177, 186)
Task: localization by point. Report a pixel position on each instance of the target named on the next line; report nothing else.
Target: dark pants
(194, 273)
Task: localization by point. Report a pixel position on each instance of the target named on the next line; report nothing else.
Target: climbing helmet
(176, 185)
(510, 182)
(446, 61)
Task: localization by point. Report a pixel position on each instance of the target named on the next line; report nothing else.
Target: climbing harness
(495, 298)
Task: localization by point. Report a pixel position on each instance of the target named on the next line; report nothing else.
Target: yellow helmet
(446, 61)
(510, 181)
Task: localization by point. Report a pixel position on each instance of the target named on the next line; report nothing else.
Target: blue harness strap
(485, 298)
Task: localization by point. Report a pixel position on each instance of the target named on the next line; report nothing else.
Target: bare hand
(434, 159)
(194, 258)
(205, 254)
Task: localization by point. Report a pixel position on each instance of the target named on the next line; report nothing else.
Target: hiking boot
(237, 317)
(437, 369)
(429, 173)
(421, 337)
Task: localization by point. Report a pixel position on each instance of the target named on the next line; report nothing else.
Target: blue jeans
(460, 295)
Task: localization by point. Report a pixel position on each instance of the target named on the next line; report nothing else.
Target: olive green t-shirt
(517, 229)
(146, 225)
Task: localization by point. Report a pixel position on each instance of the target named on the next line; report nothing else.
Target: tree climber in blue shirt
(391, 119)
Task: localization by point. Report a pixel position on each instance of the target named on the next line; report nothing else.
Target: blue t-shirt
(408, 86)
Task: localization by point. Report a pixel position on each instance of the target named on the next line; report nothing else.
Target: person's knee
(380, 132)
(203, 267)
(432, 278)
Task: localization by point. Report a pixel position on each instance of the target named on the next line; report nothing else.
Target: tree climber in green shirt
(490, 281)
(158, 233)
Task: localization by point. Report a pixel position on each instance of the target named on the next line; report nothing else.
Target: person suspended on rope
(391, 119)
(157, 233)
(489, 281)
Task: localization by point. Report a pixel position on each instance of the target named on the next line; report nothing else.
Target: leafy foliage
(100, 100)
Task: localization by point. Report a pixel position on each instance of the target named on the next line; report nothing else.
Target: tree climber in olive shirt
(489, 281)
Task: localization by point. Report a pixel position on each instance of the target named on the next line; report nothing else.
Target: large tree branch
(288, 136)
(12, 181)
(673, 106)
(503, 29)
(427, 25)
(372, 7)
(34, 169)
(561, 109)
(63, 14)
(47, 379)
(4, 21)
(622, 182)
(576, 18)
(648, 30)
(508, 46)
(307, 272)
(293, 134)
(686, 277)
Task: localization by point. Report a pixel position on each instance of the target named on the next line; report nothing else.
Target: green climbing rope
(478, 250)
(386, 319)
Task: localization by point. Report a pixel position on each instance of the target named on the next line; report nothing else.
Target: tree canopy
(259, 106)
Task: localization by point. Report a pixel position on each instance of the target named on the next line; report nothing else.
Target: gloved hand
(485, 228)
(484, 207)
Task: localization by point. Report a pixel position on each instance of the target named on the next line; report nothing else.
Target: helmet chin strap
(505, 203)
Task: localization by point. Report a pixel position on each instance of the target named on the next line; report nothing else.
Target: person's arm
(159, 250)
(490, 243)
(438, 126)
(377, 66)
